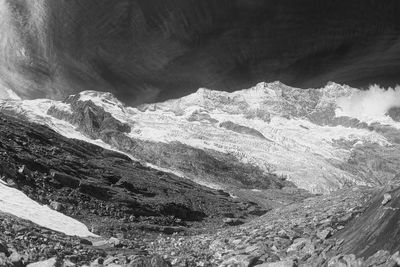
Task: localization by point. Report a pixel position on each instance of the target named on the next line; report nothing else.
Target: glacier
(310, 138)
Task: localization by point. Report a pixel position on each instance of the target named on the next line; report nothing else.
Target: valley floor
(304, 233)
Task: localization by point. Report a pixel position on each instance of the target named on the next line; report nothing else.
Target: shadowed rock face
(151, 50)
(91, 119)
(376, 229)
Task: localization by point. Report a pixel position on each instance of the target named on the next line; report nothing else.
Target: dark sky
(152, 50)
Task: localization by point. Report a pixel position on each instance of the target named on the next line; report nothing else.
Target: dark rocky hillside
(95, 185)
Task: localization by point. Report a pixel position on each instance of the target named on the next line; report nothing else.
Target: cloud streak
(153, 50)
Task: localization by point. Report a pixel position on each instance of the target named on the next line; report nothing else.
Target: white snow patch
(18, 204)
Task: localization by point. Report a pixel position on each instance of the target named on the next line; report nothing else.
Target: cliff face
(145, 51)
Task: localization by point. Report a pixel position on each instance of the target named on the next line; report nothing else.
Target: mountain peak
(98, 96)
(105, 100)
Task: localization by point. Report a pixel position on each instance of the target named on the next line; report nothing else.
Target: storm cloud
(152, 50)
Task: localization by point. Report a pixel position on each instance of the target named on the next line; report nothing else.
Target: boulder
(386, 198)
(56, 206)
(325, 233)
(115, 242)
(16, 259)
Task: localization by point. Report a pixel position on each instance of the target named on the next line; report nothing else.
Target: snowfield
(18, 204)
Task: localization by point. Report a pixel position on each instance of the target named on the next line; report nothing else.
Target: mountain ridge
(307, 136)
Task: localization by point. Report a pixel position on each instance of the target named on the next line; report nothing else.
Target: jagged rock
(325, 233)
(386, 198)
(301, 244)
(56, 205)
(114, 242)
(24, 170)
(16, 259)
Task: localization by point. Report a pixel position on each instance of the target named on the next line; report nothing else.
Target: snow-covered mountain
(267, 136)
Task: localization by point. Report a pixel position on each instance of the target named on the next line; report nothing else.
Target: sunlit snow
(18, 204)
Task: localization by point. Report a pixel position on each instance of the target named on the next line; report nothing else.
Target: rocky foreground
(313, 232)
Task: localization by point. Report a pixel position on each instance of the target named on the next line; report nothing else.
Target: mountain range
(318, 157)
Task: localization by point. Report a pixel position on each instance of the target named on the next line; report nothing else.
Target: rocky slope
(354, 227)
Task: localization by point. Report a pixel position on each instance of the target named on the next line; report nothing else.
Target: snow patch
(18, 204)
